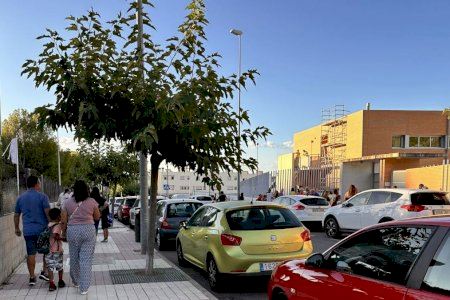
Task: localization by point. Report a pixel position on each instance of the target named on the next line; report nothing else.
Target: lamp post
(446, 113)
(238, 33)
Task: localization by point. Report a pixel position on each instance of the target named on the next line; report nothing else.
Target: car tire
(278, 294)
(160, 243)
(180, 256)
(386, 220)
(215, 278)
(332, 228)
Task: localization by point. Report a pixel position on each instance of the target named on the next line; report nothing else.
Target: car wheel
(160, 243)
(278, 295)
(214, 276)
(332, 228)
(181, 261)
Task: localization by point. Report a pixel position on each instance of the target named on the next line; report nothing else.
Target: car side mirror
(183, 224)
(315, 260)
(342, 266)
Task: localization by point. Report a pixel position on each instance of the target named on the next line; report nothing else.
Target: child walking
(55, 257)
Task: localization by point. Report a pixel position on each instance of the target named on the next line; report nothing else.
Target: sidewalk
(116, 275)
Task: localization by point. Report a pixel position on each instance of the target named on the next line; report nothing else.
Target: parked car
(382, 205)
(136, 209)
(180, 196)
(117, 202)
(202, 198)
(407, 259)
(123, 213)
(169, 215)
(241, 238)
(309, 209)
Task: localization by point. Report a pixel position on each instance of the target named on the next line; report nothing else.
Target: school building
(371, 149)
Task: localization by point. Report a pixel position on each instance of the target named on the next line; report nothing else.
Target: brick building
(368, 148)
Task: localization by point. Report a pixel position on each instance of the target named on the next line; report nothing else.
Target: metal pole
(59, 161)
(239, 115)
(167, 181)
(142, 157)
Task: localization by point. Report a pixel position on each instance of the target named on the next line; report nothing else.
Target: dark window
(379, 198)
(398, 141)
(424, 141)
(429, 199)
(129, 202)
(360, 199)
(395, 197)
(137, 203)
(260, 218)
(182, 210)
(385, 254)
(196, 219)
(160, 208)
(436, 280)
(413, 141)
(209, 217)
(315, 201)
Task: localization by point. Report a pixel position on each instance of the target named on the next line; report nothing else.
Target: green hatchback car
(241, 238)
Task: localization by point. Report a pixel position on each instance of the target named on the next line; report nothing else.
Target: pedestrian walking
(79, 215)
(103, 207)
(33, 206)
(352, 191)
(63, 197)
(335, 198)
(292, 191)
(54, 258)
(276, 194)
(326, 195)
(269, 196)
(241, 196)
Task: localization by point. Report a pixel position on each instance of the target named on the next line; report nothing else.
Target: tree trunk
(155, 162)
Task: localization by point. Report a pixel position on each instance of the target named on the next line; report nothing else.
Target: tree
(179, 112)
(37, 145)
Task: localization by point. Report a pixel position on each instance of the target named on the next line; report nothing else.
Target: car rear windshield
(315, 201)
(182, 210)
(429, 199)
(261, 218)
(129, 202)
(204, 198)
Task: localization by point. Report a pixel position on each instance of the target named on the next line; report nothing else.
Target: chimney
(368, 106)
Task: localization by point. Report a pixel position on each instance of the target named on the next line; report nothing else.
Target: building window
(413, 141)
(165, 177)
(427, 141)
(185, 188)
(398, 141)
(172, 177)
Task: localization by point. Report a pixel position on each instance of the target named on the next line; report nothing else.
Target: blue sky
(311, 54)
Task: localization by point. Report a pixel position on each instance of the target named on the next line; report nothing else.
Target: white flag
(14, 151)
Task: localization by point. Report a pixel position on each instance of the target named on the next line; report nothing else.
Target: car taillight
(165, 224)
(305, 235)
(298, 207)
(230, 240)
(414, 208)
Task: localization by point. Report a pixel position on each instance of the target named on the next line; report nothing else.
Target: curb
(192, 281)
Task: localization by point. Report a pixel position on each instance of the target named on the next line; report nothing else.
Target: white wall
(358, 173)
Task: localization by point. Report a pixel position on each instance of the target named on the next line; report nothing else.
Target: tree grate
(139, 276)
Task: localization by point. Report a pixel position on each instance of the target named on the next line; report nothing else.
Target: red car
(123, 213)
(406, 260)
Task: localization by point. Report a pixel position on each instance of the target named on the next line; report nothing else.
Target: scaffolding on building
(333, 142)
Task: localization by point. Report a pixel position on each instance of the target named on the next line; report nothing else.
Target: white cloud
(67, 143)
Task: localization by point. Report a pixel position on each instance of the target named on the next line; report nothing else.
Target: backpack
(43, 241)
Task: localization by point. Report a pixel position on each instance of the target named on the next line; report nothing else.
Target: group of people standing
(75, 220)
(333, 197)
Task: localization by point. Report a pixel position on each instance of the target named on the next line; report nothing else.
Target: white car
(306, 208)
(381, 205)
(180, 196)
(137, 208)
(202, 198)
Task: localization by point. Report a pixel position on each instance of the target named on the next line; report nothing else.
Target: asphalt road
(243, 288)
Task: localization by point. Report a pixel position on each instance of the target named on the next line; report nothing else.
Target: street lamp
(238, 33)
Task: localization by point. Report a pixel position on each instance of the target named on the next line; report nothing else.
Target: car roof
(303, 196)
(403, 191)
(235, 204)
(441, 220)
(175, 201)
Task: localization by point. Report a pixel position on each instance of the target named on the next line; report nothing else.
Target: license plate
(267, 266)
(441, 211)
(318, 209)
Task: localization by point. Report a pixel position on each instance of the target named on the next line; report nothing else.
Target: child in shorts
(54, 258)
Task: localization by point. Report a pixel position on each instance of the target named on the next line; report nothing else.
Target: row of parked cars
(403, 259)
